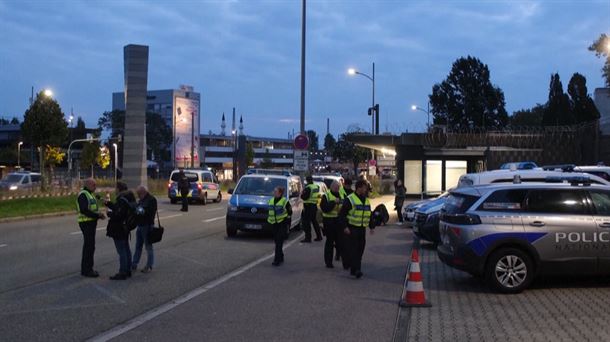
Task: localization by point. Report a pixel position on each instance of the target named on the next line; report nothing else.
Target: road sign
(372, 162)
(301, 160)
(301, 142)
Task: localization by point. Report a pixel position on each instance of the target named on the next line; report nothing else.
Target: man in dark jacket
(356, 216)
(88, 214)
(119, 214)
(145, 212)
(310, 196)
(184, 186)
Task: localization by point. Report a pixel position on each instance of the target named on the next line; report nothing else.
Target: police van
(511, 233)
(204, 186)
(248, 206)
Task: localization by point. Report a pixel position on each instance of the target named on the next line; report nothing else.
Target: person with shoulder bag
(121, 213)
(146, 210)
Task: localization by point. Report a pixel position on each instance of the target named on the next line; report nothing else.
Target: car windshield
(12, 179)
(260, 186)
(192, 177)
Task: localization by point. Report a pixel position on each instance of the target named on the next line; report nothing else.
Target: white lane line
(216, 209)
(168, 217)
(74, 233)
(213, 219)
(3, 245)
(172, 304)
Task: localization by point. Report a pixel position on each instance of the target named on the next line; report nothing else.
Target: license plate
(253, 226)
(410, 215)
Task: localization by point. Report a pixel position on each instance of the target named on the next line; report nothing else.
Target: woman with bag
(399, 199)
(119, 214)
(145, 213)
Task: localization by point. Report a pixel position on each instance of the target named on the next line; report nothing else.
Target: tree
(103, 158)
(158, 132)
(346, 151)
(329, 143)
(13, 121)
(249, 154)
(313, 140)
(90, 154)
(467, 98)
(80, 131)
(53, 156)
(528, 117)
(558, 111)
(582, 104)
(601, 47)
(44, 124)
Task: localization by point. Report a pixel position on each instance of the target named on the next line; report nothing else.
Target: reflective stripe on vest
(314, 194)
(360, 214)
(331, 198)
(342, 192)
(92, 206)
(277, 211)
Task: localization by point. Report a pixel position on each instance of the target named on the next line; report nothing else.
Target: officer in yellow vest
(279, 217)
(355, 214)
(330, 206)
(88, 214)
(310, 196)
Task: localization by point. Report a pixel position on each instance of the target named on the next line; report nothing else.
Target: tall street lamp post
(375, 116)
(427, 111)
(116, 159)
(19, 154)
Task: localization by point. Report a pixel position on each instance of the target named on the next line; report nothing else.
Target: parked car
(408, 211)
(204, 186)
(328, 179)
(511, 233)
(248, 206)
(425, 224)
(508, 176)
(22, 180)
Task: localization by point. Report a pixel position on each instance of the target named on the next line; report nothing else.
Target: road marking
(3, 245)
(117, 299)
(170, 216)
(172, 304)
(213, 219)
(217, 209)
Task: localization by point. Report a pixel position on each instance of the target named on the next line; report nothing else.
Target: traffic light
(370, 111)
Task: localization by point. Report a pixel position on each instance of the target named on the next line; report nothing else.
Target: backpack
(130, 219)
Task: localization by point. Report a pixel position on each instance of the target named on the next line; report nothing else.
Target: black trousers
(280, 233)
(333, 239)
(356, 243)
(309, 218)
(88, 229)
(185, 200)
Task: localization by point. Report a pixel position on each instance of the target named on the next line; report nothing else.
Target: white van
(508, 176)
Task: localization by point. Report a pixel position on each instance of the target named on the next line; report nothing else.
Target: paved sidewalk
(554, 309)
(299, 301)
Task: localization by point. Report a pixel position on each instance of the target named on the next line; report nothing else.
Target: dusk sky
(246, 54)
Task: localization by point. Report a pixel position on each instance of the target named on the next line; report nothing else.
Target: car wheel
(204, 201)
(509, 270)
(231, 231)
(173, 201)
(218, 198)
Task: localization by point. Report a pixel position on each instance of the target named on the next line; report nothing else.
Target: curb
(38, 216)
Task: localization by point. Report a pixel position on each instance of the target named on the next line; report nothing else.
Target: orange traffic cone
(414, 289)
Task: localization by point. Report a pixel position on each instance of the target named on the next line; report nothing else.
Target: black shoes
(119, 276)
(358, 275)
(318, 238)
(147, 269)
(306, 241)
(330, 266)
(277, 263)
(90, 274)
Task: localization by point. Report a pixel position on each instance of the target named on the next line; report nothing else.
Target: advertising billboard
(186, 131)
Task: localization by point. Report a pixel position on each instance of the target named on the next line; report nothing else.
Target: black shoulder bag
(156, 233)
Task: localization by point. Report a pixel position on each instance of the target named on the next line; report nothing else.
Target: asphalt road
(44, 298)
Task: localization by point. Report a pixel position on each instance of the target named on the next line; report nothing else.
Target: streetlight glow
(47, 92)
(413, 107)
(351, 71)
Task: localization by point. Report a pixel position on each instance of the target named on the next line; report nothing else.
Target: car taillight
(199, 186)
(456, 231)
(169, 185)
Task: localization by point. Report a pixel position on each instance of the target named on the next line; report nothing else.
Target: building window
(453, 170)
(434, 176)
(413, 176)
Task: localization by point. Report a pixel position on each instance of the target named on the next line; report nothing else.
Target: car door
(210, 186)
(601, 203)
(565, 239)
(295, 201)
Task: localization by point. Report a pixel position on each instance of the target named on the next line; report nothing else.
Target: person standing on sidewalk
(310, 197)
(145, 211)
(279, 217)
(184, 186)
(330, 206)
(119, 214)
(400, 194)
(88, 214)
(356, 212)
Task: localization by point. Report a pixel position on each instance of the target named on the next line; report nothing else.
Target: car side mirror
(230, 191)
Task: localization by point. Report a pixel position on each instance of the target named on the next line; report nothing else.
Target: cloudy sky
(246, 54)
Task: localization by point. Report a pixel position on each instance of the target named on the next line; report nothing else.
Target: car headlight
(13, 187)
(233, 208)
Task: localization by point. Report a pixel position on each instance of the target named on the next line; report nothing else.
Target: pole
(116, 159)
(19, 155)
(376, 114)
(303, 27)
(428, 112)
(192, 140)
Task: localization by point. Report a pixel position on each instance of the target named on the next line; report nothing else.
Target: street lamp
(116, 148)
(19, 154)
(427, 111)
(48, 92)
(234, 134)
(375, 117)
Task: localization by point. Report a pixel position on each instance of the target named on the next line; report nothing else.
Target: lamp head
(351, 71)
(413, 107)
(47, 92)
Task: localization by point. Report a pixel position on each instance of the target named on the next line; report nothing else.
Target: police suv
(248, 206)
(510, 233)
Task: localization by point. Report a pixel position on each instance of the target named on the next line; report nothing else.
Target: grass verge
(36, 206)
